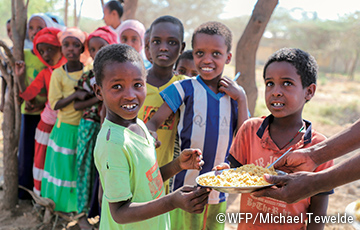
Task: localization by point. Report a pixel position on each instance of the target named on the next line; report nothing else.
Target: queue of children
(114, 115)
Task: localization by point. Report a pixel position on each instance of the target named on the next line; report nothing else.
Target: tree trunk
(130, 7)
(66, 12)
(247, 47)
(353, 65)
(75, 15)
(11, 128)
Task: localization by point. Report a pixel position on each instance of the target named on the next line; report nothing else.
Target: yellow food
(247, 175)
(357, 210)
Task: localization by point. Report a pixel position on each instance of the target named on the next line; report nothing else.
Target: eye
(92, 50)
(124, 39)
(41, 52)
(287, 83)
(156, 42)
(199, 53)
(138, 85)
(181, 71)
(134, 40)
(194, 74)
(77, 45)
(172, 43)
(269, 83)
(215, 54)
(117, 86)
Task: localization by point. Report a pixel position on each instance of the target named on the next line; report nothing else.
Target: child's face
(95, 44)
(187, 67)
(107, 16)
(123, 91)
(131, 38)
(35, 25)
(8, 30)
(72, 48)
(284, 93)
(165, 44)
(147, 46)
(51, 54)
(210, 55)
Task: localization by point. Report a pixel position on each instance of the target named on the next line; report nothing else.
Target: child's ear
(97, 90)
(182, 47)
(228, 58)
(310, 91)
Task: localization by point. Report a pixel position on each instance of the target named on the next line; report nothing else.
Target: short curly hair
(304, 63)
(171, 19)
(120, 53)
(214, 28)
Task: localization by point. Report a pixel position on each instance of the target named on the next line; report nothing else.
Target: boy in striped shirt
(212, 108)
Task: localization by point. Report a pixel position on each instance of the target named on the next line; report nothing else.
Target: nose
(164, 47)
(130, 94)
(277, 92)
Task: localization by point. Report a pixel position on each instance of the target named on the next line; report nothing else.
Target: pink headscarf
(105, 33)
(82, 36)
(136, 26)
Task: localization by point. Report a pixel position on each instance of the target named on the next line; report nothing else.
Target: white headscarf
(48, 21)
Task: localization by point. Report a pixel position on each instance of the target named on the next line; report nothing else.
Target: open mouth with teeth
(129, 106)
(277, 104)
(207, 69)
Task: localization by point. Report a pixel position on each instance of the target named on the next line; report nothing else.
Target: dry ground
(335, 107)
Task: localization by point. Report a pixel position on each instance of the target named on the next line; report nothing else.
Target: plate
(228, 189)
(350, 210)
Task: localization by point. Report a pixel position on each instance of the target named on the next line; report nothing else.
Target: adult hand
(191, 199)
(298, 160)
(290, 188)
(190, 159)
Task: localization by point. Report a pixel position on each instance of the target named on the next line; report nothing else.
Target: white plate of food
(353, 209)
(245, 179)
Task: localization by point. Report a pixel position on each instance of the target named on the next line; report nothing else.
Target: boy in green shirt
(125, 156)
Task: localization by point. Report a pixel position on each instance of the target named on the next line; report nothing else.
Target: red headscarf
(105, 33)
(48, 35)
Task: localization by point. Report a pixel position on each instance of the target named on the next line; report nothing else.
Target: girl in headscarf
(30, 110)
(132, 33)
(48, 49)
(89, 127)
(59, 181)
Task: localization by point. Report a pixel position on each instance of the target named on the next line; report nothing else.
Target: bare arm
(188, 159)
(190, 199)
(237, 93)
(300, 185)
(80, 105)
(159, 117)
(308, 159)
(318, 207)
(78, 95)
(19, 72)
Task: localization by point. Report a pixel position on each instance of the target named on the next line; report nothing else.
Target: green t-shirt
(128, 169)
(33, 68)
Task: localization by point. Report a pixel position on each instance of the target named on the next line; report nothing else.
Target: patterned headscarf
(48, 35)
(105, 33)
(136, 26)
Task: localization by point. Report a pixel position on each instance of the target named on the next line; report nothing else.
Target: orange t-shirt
(253, 144)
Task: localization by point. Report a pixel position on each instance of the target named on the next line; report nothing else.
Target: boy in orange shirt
(290, 81)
